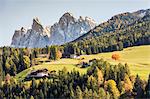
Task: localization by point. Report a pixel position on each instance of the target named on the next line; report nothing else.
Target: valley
(76, 58)
(138, 59)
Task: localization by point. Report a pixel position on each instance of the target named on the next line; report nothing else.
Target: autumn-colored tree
(59, 54)
(115, 56)
(99, 76)
(112, 88)
(127, 84)
(7, 79)
(132, 78)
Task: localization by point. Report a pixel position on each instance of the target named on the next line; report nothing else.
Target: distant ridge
(117, 22)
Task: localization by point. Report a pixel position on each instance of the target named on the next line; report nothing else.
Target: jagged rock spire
(37, 25)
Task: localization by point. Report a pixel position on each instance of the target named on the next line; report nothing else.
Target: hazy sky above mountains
(17, 13)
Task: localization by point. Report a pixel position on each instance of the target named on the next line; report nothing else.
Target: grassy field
(50, 67)
(137, 57)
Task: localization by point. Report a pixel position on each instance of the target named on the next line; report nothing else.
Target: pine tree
(44, 88)
(26, 62)
(137, 88)
(147, 88)
(31, 97)
(54, 53)
(120, 45)
(34, 53)
(90, 93)
(86, 95)
(33, 86)
(127, 69)
(102, 93)
(1, 73)
(95, 95)
(79, 93)
(72, 96)
(41, 95)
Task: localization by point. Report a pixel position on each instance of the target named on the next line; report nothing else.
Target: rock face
(35, 37)
(67, 29)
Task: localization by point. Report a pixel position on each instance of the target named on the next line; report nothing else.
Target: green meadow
(138, 59)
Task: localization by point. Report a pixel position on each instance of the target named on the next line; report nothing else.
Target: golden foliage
(115, 56)
(112, 88)
(127, 84)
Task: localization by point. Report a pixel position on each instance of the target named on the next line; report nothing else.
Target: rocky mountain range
(67, 29)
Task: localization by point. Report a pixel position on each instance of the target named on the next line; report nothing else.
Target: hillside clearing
(138, 58)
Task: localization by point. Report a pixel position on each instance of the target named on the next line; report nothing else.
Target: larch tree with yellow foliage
(112, 88)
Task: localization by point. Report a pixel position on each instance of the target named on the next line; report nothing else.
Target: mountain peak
(37, 25)
(36, 19)
(67, 18)
(67, 14)
(23, 29)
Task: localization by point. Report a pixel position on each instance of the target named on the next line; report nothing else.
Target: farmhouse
(38, 74)
(74, 56)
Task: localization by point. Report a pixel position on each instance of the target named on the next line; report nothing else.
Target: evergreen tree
(34, 53)
(127, 70)
(102, 93)
(120, 45)
(147, 88)
(95, 95)
(85, 95)
(41, 95)
(1, 74)
(54, 53)
(79, 93)
(44, 87)
(137, 88)
(72, 96)
(26, 62)
(33, 87)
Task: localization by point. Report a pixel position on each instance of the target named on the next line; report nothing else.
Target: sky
(15, 14)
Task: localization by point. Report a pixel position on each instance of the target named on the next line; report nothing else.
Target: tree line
(102, 80)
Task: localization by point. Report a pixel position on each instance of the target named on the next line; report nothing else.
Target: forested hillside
(119, 32)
